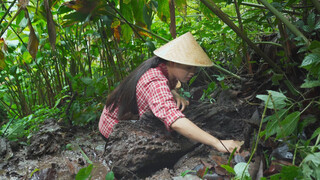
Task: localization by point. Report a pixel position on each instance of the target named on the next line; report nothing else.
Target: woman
(150, 87)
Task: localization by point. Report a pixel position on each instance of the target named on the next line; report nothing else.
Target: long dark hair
(124, 96)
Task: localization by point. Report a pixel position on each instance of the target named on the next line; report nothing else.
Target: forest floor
(58, 152)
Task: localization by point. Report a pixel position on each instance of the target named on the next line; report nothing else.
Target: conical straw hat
(184, 50)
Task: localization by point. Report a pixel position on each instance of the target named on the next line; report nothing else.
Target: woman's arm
(188, 129)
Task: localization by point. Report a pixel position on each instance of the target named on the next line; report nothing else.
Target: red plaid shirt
(153, 94)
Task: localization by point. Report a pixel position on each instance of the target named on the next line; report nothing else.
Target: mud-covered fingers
(178, 103)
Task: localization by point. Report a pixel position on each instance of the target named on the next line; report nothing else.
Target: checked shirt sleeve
(161, 102)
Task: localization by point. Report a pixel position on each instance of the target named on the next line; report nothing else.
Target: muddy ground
(142, 149)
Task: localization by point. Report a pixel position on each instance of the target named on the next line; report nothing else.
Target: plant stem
(216, 10)
(258, 135)
(7, 12)
(263, 7)
(285, 21)
(13, 18)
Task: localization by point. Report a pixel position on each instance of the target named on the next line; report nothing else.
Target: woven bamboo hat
(184, 50)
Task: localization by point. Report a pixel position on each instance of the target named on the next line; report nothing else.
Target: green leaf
(306, 170)
(206, 11)
(279, 100)
(126, 32)
(289, 124)
(311, 19)
(314, 158)
(126, 11)
(290, 172)
(310, 84)
(19, 17)
(315, 133)
(228, 168)
(87, 80)
(276, 78)
(272, 126)
(76, 16)
(147, 15)
(317, 26)
(241, 170)
(310, 60)
(84, 173)
(184, 173)
(163, 10)
(110, 176)
(150, 45)
(314, 44)
(181, 6)
(137, 8)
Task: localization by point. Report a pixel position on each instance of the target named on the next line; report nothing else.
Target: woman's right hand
(228, 145)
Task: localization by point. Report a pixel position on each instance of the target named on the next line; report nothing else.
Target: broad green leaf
(314, 158)
(279, 100)
(27, 58)
(126, 32)
(290, 172)
(110, 176)
(150, 45)
(23, 23)
(271, 128)
(306, 170)
(314, 45)
(75, 17)
(181, 6)
(90, 90)
(137, 9)
(315, 133)
(84, 173)
(289, 124)
(206, 11)
(126, 11)
(276, 78)
(317, 26)
(228, 168)
(311, 19)
(310, 84)
(241, 170)
(147, 14)
(19, 17)
(163, 10)
(310, 60)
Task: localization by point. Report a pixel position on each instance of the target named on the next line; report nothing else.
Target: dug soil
(145, 149)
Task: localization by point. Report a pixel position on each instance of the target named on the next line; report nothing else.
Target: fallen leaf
(219, 160)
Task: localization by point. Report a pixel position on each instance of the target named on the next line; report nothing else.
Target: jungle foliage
(60, 59)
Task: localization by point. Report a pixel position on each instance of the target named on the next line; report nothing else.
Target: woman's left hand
(180, 100)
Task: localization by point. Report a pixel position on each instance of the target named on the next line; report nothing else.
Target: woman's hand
(180, 100)
(228, 146)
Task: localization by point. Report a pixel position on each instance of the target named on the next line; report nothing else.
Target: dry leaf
(33, 43)
(50, 25)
